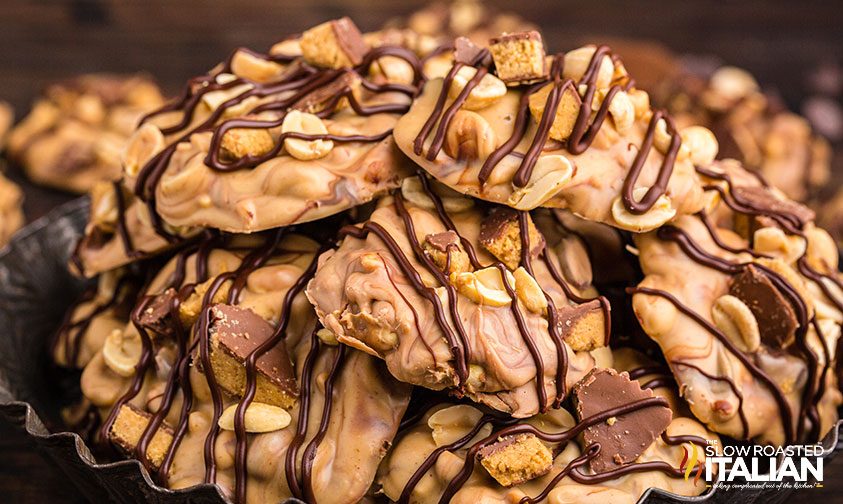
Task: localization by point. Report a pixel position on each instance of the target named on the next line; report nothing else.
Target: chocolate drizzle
(586, 125)
(296, 83)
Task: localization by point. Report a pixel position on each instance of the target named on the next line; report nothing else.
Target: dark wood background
(782, 43)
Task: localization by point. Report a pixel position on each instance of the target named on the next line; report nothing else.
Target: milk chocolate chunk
(466, 51)
(519, 57)
(235, 333)
(320, 98)
(128, 428)
(513, 460)
(500, 234)
(774, 314)
(623, 438)
(334, 44)
(446, 252)
(157, 316)
(762, 199)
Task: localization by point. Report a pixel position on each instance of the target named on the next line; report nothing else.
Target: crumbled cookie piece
(519, 57)
(334, 44)
(500, 234)
(128, 428)
(774, 314)
(584, 327)
(566, 112)
(446, 252)
(235, 333)
(623, 439)
(157, 316)
(513, 460)
(238, 143)
(190, 308)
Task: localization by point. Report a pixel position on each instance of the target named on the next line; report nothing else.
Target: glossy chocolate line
(460, 361)
(450, 112)
(425, 259)
(519, 129)
(552, 323)
(715, 236)
(310, 451)
(141, 368)
(758, 373)
(304, 413)
(588, 454)
(446, 219)
(277, 337)
(665, 171)
(412, 308)
(643, 371)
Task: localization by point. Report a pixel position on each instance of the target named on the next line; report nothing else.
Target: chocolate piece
(235, 333)
(321, 97)
(512, 460)
(500, 234)
(190, 308)
(129, 426)
(334, 44)
(584, 327)
(446, 251)
(157, 316)
(762, 199)
(519, 57)
(774, 314)
(623, 438)
(466, 51)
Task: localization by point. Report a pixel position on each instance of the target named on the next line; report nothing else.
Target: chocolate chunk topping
(350, 39)
(238, 332)
(775, 316)
(623, 438)
(319, 98)
(441, 241)
(157, 316)
(517, 36)
(466, 51)
(500, 234)
(760, 198)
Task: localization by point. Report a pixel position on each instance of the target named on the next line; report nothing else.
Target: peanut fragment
(487, 92)
(578, 60)
(259, 418)
(122, 351)
(446, 252)
(327, 337)
(247, 65)
(661, 212)
(735, 320)
(701, 144)
(469, 136)
(238, 143)
(451, 423)
(622, 111)
(485, 286)
(308, 124)
(146, 142)
(529, 291)
(550, 174)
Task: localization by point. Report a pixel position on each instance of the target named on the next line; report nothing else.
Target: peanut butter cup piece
(466, 51)
(446, 252)
(334, 44)
(157, 316)
(235, 333)
(322, 97)
(765, 203)
(775, 316)
(129, 426)
(584, 326)
(623, 438)
(519, 57)
(513, 460)
(500, 234)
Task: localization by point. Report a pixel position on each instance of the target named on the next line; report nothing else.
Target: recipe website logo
(753, 466)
